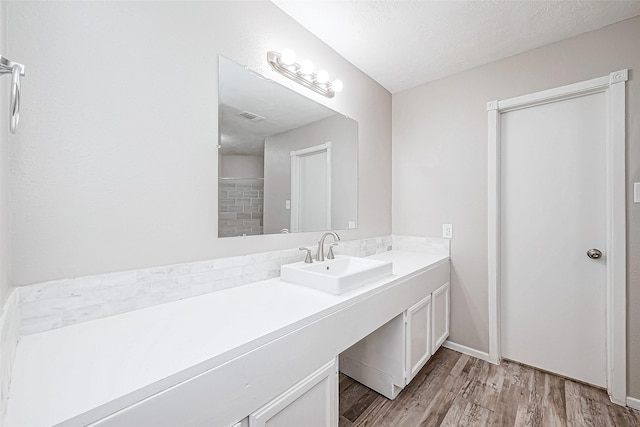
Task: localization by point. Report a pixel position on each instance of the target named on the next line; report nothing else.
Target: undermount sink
(338, 275)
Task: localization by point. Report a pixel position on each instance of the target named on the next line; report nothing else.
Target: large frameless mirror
(285, 162)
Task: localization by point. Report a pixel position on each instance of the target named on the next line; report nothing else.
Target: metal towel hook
(16, 70)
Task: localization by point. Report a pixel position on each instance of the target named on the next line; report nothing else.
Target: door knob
(594, 253)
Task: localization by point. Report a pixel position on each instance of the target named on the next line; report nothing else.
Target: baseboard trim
(467, 350)
(633, 403)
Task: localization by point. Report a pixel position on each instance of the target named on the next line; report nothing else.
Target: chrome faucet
(308, 259)
(320, 254)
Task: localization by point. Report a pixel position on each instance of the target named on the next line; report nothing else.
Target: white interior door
(311, 188)
(553, 296)
(313, 192)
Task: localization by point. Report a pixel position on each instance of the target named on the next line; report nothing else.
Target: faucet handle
(308, 259)
(330, 254)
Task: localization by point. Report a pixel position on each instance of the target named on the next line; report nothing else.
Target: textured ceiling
(402, 44)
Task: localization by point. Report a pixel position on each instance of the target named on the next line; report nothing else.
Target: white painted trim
(329, 183)
(468, 351)
(633, 403)
(310, 150)
(616, 241)
(619, 76)
(295, 189)
(494, 232)
(295, 183)
(614, 87)
(552, 95)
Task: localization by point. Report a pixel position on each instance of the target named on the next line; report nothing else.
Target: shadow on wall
(464, 302)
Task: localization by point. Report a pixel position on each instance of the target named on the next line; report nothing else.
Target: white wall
(344, 168)
(115, 166)
(8, 305)
(5, 140)
(440, 163)
(241, 166)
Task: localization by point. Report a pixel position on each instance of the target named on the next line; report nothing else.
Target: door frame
(613, 85)
(295, 182)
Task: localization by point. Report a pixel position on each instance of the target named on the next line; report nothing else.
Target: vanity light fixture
(285, 64)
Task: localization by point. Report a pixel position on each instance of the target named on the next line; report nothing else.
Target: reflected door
(311, 188)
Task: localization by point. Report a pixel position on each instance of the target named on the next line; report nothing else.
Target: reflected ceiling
(279, 109)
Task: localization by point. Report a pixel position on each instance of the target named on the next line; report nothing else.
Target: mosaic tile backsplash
(64, 302)
(9, 335)
(59, 303)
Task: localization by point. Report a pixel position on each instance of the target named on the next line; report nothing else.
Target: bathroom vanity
(391, 356)
(261, 354)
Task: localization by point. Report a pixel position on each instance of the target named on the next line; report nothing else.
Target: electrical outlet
(636, 192)
(287, 204)
(447, 231)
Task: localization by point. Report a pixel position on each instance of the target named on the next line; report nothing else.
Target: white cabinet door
(418, 337)
(311, 402)
(440, 301)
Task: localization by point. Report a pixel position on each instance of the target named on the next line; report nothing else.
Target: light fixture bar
(293, 72)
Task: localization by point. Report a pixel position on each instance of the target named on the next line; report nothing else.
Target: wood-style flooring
(454, 389)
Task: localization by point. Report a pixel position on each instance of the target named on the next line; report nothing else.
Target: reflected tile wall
(240, 207)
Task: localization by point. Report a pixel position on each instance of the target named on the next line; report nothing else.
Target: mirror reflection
(285, 162)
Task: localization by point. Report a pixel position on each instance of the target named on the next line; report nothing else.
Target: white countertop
(62, 373)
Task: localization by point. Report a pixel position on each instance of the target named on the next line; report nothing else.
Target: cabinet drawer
(311, 402)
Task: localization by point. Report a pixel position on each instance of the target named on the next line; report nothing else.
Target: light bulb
(337, 86)
(306, 67)
(322, 76)
(288, 57)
